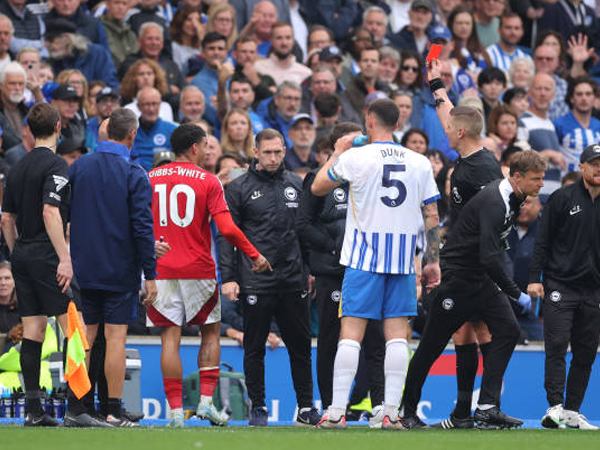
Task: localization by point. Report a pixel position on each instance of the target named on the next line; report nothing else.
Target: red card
(434, 52)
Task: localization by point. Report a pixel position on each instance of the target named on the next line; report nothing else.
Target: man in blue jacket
(112, 243)
(154, 133)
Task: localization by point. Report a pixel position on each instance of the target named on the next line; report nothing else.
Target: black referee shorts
(34, 270)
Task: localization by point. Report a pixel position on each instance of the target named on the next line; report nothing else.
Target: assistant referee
(566, 256)
(35, 213)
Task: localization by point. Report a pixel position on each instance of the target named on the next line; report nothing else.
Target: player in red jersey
(184, 198)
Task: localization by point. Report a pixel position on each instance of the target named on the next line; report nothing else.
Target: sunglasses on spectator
(410, 68)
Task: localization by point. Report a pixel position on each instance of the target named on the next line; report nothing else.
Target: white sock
(344, 370)
(176, 410)
(206, 400)
(395, 366)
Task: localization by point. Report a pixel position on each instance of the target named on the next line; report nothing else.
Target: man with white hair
(6, 34)
(375, 20)
(154, 133)
(152, 45)
(150, 11)
(12, 90)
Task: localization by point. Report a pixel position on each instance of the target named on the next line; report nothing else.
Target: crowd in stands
(531, 67)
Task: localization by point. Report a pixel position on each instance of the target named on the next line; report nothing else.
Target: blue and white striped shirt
(388, 186)
(503, 60)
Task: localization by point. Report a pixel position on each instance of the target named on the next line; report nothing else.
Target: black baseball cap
(65, 92)
(58, 26)
(590, 153)
(329, 53)
(107, 92)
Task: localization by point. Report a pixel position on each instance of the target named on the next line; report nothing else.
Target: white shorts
(180, 302)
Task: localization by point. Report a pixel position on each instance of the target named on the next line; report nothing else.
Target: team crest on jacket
(335, 296)
(290, 193)
(448, 304)
(159, 139)
(252, 299)
(339, 194)
(555, 296)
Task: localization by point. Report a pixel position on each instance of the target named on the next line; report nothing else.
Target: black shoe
(121, 422)
(259, 417)
(455, 423)
(41, 420)
(413, 423)
(84, 420)
(494, 419)
(308, 418)
(132, 416)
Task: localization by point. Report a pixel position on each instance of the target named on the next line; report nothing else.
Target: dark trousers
(291, 310)
(459, 298)
(370, 370)
(570, 315)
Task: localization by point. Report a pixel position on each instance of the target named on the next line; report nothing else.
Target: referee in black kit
(566, 257)
(472, 271)
(34, 221)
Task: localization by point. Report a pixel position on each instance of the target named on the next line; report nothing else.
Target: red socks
(173, 392)
(208, 380)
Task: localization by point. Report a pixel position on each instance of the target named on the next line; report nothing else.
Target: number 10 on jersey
(168, 205)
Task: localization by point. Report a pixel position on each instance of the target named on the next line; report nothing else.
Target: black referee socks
(31, 353)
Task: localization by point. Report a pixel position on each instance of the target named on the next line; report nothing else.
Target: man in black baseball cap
(331, 57)
(58, 27)
(567, 253)
(66, 100)
(107, 100)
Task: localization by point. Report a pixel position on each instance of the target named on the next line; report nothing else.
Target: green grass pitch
(288, 438)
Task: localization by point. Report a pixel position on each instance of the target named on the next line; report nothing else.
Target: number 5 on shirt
(389, 182)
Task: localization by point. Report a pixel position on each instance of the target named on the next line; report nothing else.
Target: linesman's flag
(76, 374)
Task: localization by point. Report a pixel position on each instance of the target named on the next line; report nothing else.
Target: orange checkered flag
(76, 374)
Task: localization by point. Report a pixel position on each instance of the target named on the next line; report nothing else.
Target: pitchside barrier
(523, 393)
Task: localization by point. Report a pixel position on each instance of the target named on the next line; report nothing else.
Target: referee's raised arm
(443, 105)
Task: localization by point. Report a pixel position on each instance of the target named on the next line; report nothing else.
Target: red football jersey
(184, 197)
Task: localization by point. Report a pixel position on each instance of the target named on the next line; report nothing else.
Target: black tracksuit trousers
(460, 297)
(571, 314)
(291, 310)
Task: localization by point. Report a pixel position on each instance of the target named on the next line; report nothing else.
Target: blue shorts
(371, 295)
(117, 308)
